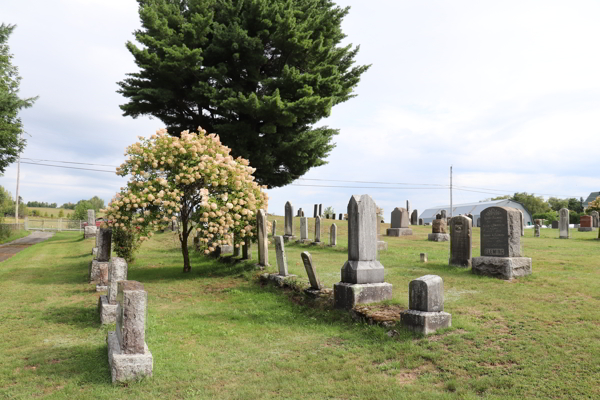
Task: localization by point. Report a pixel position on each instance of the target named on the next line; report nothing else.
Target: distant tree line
(548, 209)
(41, 204)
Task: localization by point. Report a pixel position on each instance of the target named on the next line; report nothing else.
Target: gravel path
(8, 250)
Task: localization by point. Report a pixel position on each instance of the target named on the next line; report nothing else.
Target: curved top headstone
(362, 228)
(289, 219)
(399, 218)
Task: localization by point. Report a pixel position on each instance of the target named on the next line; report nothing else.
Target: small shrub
(126, 243)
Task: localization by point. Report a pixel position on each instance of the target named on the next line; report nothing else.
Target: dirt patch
(379, 314)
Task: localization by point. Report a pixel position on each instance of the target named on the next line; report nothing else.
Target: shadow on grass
(89, 364)
(80, 317)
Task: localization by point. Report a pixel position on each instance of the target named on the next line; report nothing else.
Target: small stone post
(320, 210)
(316, 211)
(317, 230)
(426, 306)
(424, 257)
(273, 228)
(536, 232)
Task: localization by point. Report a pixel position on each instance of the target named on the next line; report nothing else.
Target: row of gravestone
(124, 304)
(362, 276)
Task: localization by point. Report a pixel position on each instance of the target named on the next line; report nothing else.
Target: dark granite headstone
(500, 232)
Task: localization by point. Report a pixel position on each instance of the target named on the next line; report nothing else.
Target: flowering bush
(192, 178)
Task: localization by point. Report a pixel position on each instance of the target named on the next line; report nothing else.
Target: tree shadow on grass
(86, 363)
(78, 316)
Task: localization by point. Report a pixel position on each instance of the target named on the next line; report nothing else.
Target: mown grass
(217, 333)
(14, 235)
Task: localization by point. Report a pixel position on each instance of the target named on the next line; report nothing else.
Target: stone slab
(98, 272)
(280, 280)
(438, 237)
(127, 367)
(425, 322)
(107, 311)
(502, 267)
(347, 295)
(585, 229)
(362, 272)
(399, 231)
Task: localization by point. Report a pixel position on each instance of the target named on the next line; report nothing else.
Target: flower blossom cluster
(193, 179)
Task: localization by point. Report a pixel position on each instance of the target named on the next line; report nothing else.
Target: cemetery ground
(217, 332)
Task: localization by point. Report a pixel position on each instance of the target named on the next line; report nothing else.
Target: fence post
(26, 223)
(59, 224)
(42, 225)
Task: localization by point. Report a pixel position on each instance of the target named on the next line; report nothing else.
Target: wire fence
(54, 224)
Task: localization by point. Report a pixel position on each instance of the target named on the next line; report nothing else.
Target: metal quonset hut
(475, 209)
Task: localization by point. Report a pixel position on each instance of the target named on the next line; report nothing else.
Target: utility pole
(18, 176)
(451, 191)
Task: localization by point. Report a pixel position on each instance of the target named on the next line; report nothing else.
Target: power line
(379, 183)
(68, 162)
(64, 166)
(369, 187)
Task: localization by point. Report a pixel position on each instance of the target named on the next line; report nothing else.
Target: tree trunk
(183, 238)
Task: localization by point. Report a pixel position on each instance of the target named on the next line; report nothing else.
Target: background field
(218, 333)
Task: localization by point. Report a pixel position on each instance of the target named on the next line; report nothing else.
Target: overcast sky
(506, 92)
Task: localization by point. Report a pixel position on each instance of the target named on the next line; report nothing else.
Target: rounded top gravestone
(501, 232)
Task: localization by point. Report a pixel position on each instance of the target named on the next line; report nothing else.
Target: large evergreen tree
(259, 73)
(10, 124)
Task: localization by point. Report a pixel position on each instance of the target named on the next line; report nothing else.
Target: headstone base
(90, 231)
(585, 229)
(425, 322)
(280, 280)
(316, 293)
(381, 245)
(347, 295)
(438, 237)
(399, 231)
(95, 251)
(126, 367)
(317, 243)
(362, 272)
(502, 267)
(287, 238)
(101, 288)
(98, 272)
(108, 312)
(226, 249)
(304, 241)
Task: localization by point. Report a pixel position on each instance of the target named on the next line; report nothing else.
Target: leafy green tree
(81, 210)
(61, 213)
(259, 73)
(575, 205)
(535, 204)
(11, 144)
(556, 204)
(97, 203)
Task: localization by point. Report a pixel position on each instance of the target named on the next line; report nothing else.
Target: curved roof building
(475, 209)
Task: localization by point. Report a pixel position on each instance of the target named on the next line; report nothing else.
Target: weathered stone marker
(362, 276)
(522, 223)
(554, 224)
(420, 221)
(501, 245)
(408, 212)
(414, 217)
(399, 226)
(536, 232)
(281, 257)
(443, 214)
(274, 228)
(316, 211)
(91, 229)
(317, 230)
(320, 210)
(563, 224)
(423, 257)
(461, 241)
(341, 217)
(333, 235)
(586, 223)
(263, 244)
(98, 270)
(128, 354)
(304, 230)
(107, 305)
(289, 222)
(438, 231)
(426, 306)
(311, 271)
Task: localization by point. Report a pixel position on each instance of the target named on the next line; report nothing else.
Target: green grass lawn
(217, 333)
(14, 235)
